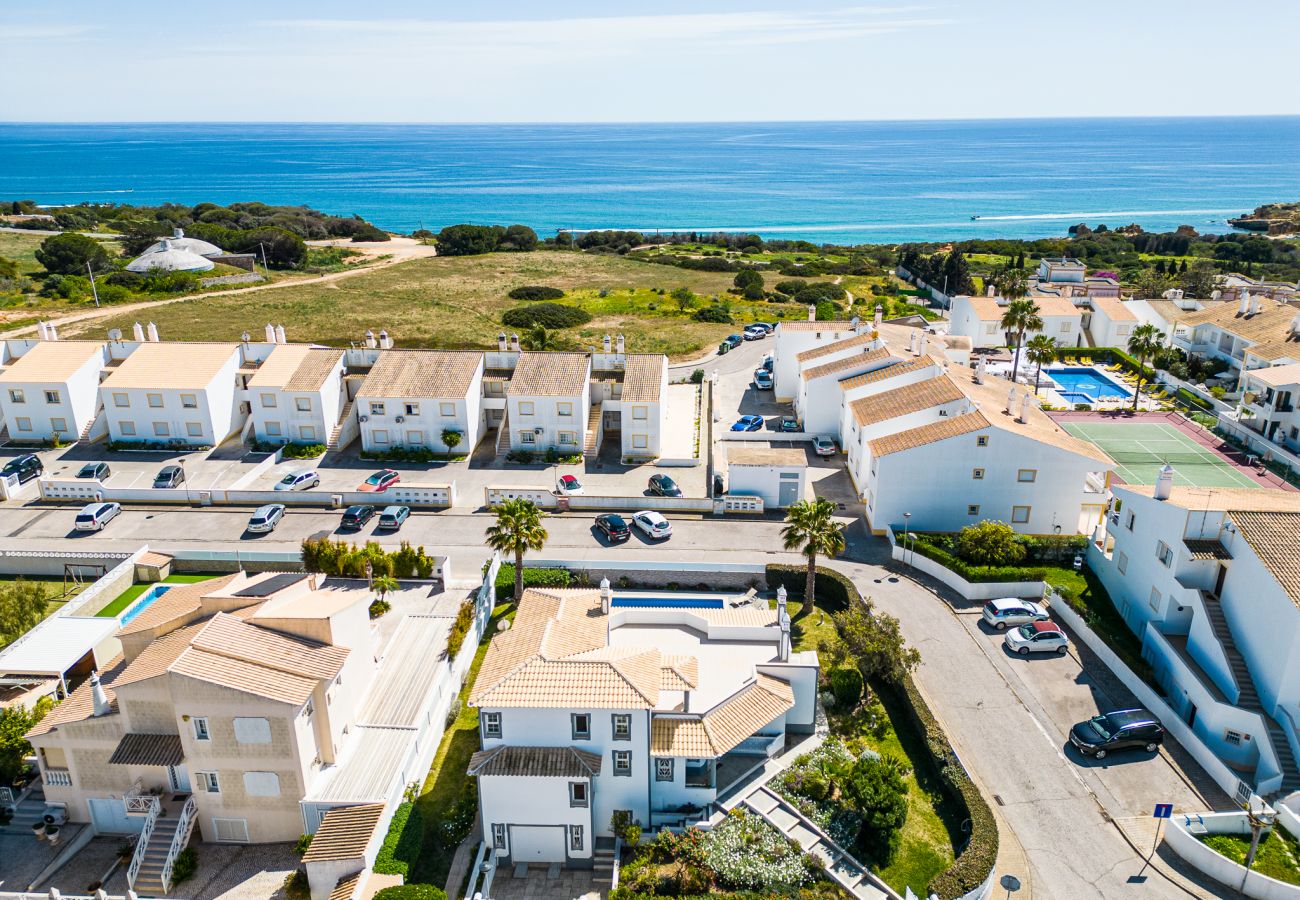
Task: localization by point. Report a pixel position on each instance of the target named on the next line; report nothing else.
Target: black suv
(25, 468)
(1125, 729)
(615, 528)
(356, 516)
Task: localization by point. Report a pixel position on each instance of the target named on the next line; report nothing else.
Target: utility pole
(265, 267)
(93, 290)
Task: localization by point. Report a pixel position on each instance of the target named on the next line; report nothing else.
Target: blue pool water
(143, 601)
(668, 602)
(1084, 384)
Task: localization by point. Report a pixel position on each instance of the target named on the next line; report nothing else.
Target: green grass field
(128, 596)
(1140, 449)
(55, 594)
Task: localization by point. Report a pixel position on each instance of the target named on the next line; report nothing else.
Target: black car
(663, 486)
(356, 516)
(1125, 729)
(98, 471)
(169, 477)
(614, 527)
(24, 468)
(730, 342)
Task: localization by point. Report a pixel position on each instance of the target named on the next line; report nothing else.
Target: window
(307, 432)
(525, 407)
(499, 835)
(58, 424)
(51, 396)
(581, 726)
(302, 404)
(121, 400)
(24, 423)
(973, 509)
(253, 730)
(1164, 553)
(209, 782)
(268, 401)
(17, 396)
(160, 429)
(1027, 476)
(376, 408)
(1154, 600)
(575, 837)
(201, 732)
(577, 793)
(414, 437)
(447, 410)
(381, 435)
(623, 762)
(1121, 562)
(621, 726)
(663, 768)
(640, 442)
(1065, 327)
(127, 429)
(568, 437)
(410, 409)
(491, 724)
(1232, 737)
(261, 784)
(231, 831)
(982, 440)
(189, 401)
(564, 409)
(990, 327)
(194, 429)
(527, 437)
(1129, 522)
(977, 474)
(273, 429)
(155, 401)
(1020, 514)
(640, 413)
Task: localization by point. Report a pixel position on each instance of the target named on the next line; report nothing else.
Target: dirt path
(381, 255)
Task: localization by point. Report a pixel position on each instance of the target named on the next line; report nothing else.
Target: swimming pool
(668, 602)
(141, 604)
(1085, 384)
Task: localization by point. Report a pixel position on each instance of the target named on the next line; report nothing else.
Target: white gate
(109, 817)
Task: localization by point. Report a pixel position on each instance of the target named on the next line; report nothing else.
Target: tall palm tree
(383, 584)
(517, 530)
(1012, 283)
(1040, 350)
(1145, 342)
(1020, 316)
(811, 529)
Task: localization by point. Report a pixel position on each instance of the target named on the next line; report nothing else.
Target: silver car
(265, 518)
(95, 516)
(394, 516)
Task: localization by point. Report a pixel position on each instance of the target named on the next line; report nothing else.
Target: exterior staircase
(90, 425)
(591, 441)
(164, 837)
(344, 416)
(503, 434)
(603, 862)
(1248, 695)
(27, 812)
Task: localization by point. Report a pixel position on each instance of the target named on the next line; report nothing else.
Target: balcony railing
(141, 804)
(58, 778)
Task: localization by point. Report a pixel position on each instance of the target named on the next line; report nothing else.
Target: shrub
(876, 789)
(296, 886)
(989, 543)
(717, 312)
(533, 292)
(746, 852)
(697, 376)
(555, 578)
(834, 590)
(846, 685)
(410, 892)
(303, 451)
(460, 628)
(379, 607)
(301, 846)
(548, 315)
(975, 574)
(402, 843)
(186, 864)
(819, 292)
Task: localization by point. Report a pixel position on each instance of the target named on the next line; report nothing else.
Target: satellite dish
(503, 625)
(115, 334)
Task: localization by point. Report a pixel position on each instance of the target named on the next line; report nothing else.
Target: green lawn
(1278, 855)
(128, 596)
(54, 594)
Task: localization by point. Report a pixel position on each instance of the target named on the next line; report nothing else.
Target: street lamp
(1259, 819)
(907, 530)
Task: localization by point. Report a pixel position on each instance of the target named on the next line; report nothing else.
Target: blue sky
(745, 60)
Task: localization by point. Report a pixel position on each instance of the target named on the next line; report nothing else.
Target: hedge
(1183, 395)
(834, 589)
(402, 843)
(553, 578)
(548, 315)
(976, 574)
(410, 892)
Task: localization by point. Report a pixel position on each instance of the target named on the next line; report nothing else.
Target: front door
(1218, 582)
(789, 489)
(179, 778)
(109, 817)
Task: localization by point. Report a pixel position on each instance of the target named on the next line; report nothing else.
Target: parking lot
(220, 467)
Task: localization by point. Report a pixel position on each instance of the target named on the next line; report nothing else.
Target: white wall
(820, 402)
(765, 481)
(1108, 332)
(546, 416)
(965, 321)
(424, 426)
(788, 345)
(320, 418)
(215, 412)
(538, 801)
(78, 399)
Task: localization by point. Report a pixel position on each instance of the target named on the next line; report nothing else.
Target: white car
(265, 518)
(95, 516)
(654, 525)
(824, 445)
(1037, 637)
(1004, 613)
(298, 481)
(569, 486)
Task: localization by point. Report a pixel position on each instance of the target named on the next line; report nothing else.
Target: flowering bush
(746, 852)
(812, 784)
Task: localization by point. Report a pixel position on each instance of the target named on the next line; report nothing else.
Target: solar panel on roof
(271, 585)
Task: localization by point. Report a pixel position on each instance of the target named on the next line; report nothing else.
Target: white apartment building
(410, 397)
(296, 394)
(980, 319)
(634, 405)
(794, 337)
(548, 403)
(1061, 270)
(1111, 322)
(595, 703)
(1208, 581)
(177, 394)
(1253, 333)
(822, 370)
(49, 389)
(1269, 404)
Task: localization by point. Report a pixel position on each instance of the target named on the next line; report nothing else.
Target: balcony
(141, 804)
(58, 778)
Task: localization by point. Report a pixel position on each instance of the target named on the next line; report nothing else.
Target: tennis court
(1140, 449)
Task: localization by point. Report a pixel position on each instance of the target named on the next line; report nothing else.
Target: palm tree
(1020, 316)
(383, 584)
(1040, 350)
(518, 529)
(1012, 283)
(1145, 342)
(539, 338)
(811, 529)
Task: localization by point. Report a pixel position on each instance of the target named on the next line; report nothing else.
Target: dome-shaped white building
(168, 258)
(178, 241)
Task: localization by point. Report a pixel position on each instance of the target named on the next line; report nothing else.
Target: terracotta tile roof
(843, 365)
(241, 675)
(51, 361)
(80, 704)
(1113, 308)
(1222, 499)
(346, 887)
(148, 750)
(879, 375)
(535, 762)
(848, 343)
(1268, 331)
(436, 374)
(314, 369)
(724, 727)
(1275, 538)
(1206, 549)
(158, 655)
(180, 600)
(679, 673)
(741, 454)
(171, 365)
(928, 434)
(805, 325)
(279, 365)
(910, 398)
(1277, 376)
(344, 833)
(643, 377)
(1056, 306)
(153, 558)
(550, 375)
(230, 636)
(986, 309)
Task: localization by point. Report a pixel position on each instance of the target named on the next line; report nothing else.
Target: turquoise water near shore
(831, 181)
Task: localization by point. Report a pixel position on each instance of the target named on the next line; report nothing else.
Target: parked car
(392, 517)
(614, 527)
(824, 445)
(95, 516)
(790, 423)
(24, 468)
(1002, 614)
(748, 423)
(99, 471)
(265, 518)
(380, 481)
(653, 524)
(754, 332)
(298, 481)
(663, 486)
(769, 363)
(169, 477)
(729, 343)
(356, 516)
(1037, 637)
(770, 326)
(763, 380)
(570, 486)
(1125, 729)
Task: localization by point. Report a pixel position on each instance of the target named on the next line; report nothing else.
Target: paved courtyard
(546, 883)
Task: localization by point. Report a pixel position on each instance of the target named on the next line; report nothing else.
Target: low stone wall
(653, 574)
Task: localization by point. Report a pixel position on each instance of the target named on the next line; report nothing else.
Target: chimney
(979, 370)
(98, 697)
(878, 318)
(1164, 482)
(311, 581)
(137, 332)
(152, 330)
(279, 335)
(1295, 325)
(620, 346)
(178, 233)
(1025, 403)
(993, 290)
(922, 343)
(781, 599)
(812, 312)
(514, 343)
(501, 341)
(385, 342)
(370, 339)
(783, 651)
(1011, 401)
(51, 332)
(608, 343)
(1255, 303)
(41, 332)
(605, 595)
(164, 245)
(270, 333)
(1243, 303)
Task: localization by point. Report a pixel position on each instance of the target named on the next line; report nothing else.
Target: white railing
(57, 778)
(141, 804)
(6, 796)
(141, 845)
(179, 839)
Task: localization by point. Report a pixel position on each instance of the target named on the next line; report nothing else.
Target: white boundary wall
(1220, 868)
(411, 494)
(991, 590)
(545, 498)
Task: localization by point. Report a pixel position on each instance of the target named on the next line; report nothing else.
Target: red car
(380, 481)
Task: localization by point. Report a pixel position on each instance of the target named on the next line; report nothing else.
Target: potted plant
(52, 833)
(38, 829)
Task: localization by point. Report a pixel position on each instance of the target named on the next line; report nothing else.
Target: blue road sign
(1164, 810)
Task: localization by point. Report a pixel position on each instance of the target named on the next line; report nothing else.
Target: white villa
(296, 394)
(49, 389)
(595, 703)
(1208, 580)
(980, 319)
(172, 393)
(410, 397)
(1269, 404)
(1252, 333)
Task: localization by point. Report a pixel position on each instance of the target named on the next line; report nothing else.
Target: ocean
(840, 182)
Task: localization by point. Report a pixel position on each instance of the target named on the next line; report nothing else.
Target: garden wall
(654, 574)
(970, 590)
(1219, 867)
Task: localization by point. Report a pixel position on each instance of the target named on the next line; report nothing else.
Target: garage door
(536, 843)
(109, 817)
